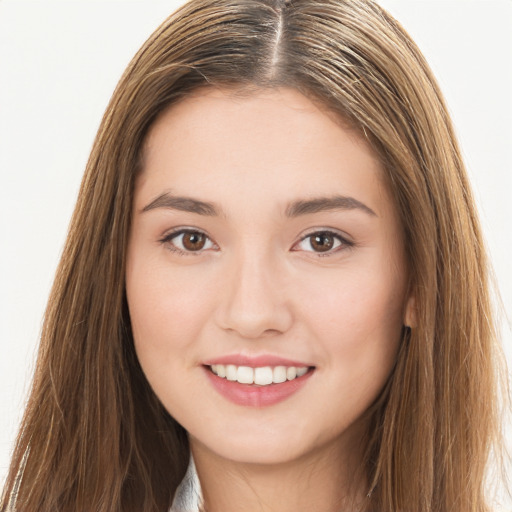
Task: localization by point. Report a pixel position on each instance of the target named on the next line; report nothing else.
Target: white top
(188, 497)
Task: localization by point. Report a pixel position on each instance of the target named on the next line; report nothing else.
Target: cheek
(356, 318)
(166, 310)
(356, 327)
(166, 314)
(355, 302)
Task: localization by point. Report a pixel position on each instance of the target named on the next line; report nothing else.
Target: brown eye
(188, 240)
(193, 241)
(322, 242)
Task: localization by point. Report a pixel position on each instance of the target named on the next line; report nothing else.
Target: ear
(410, 316)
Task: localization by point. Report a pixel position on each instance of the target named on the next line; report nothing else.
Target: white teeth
(291, 372)
(230, 372)
(301, 371)
(261, 376)
(245, 375)
(279, 374)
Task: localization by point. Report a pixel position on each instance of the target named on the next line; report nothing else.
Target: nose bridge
(254, 301)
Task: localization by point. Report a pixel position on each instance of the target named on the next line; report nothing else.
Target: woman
(274, 185)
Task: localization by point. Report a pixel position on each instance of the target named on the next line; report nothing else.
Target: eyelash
(344, 244)
(168, 238)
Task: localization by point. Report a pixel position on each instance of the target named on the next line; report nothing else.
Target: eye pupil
(322, 242)
(193, 241)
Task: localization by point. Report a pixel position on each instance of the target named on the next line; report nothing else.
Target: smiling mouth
(259, 376)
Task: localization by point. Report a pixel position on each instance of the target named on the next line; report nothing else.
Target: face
(266, 277)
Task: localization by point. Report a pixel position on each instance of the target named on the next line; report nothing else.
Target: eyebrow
(324, 204)
(184, 204)
(294, 209)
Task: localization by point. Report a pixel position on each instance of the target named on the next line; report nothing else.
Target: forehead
(257, 109)
(271, 143)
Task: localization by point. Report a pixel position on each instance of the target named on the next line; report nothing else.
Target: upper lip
(255, 361)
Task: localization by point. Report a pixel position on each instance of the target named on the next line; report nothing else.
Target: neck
(325, 481)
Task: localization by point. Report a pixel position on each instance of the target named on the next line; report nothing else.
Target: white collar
(188, 497)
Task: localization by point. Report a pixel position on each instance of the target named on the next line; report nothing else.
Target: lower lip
(252, 395)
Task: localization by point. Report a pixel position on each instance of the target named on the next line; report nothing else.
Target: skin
(259, 286)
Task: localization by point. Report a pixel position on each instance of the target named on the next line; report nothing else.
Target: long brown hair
(95, 437)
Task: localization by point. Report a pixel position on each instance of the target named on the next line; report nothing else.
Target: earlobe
(410, 316)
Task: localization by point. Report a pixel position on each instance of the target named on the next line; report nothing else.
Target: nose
(254, 301)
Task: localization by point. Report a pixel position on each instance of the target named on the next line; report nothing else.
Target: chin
(267, 444)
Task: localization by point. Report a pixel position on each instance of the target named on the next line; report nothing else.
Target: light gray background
(59, 63)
